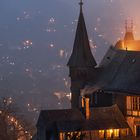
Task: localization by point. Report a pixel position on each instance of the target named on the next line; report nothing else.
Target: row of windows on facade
(101, 134)
(133, 105)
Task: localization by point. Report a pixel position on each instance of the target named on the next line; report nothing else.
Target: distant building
(105, 98)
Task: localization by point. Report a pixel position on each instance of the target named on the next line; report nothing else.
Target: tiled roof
(48, 117)
(119, 71)
(74, 120)
(108, 117)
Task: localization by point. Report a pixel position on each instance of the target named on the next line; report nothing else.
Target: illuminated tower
(129, 31)
(129, 43)
(81, 63)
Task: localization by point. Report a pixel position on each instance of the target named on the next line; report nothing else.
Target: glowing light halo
(13, 121)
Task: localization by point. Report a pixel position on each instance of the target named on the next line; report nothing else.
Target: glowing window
(70, 135)
(109, 133)
(101, 133)
(61, 136)
(135, 103)
(116, 133)
(124, 132)
(135, 113)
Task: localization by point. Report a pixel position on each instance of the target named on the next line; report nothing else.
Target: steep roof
(48, 117)
(128, 43)
(108, 117)
(129, 36)
(119, 72)
(73, 119)
(126, 74)
(101, 118)
(81, 55)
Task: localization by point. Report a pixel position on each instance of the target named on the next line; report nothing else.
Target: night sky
(36, 39)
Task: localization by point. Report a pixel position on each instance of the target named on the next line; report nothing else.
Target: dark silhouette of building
(105, 98)
(73, 124)
(118, 80)
(81, 63)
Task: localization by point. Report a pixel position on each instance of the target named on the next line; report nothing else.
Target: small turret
(129, 31)
(128, 43)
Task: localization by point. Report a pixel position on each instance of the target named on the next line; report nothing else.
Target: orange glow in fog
(130, 45)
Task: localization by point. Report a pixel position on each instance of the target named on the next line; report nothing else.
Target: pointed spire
(81, 5)
(81, 54)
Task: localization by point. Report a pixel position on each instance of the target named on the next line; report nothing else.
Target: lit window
(135, 113)
(109, 133)
(133, 105)
(101, 133)
(124, 132)
(116, 132)
(70, 135)
(61, 136)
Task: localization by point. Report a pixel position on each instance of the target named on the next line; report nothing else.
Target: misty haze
(36, 41)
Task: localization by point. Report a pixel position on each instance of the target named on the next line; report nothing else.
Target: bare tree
(13, 125)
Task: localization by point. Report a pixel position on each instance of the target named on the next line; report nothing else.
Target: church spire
(81, 5)
(81, 54)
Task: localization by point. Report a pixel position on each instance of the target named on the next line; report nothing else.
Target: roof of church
(73, 120)
(81, 55)
(119, 71)
(129, 31)
(101, 118)
(129, 36)
(125, 69)
(128, 43)
(48, 117)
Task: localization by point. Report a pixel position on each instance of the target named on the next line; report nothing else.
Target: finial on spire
(126, 25)
(81, 4)
(131, 24)
(129, 30)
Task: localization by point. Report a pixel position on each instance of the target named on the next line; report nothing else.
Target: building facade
(118, 80)
(105, 98)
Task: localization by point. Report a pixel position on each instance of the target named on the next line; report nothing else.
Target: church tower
(81, 63)
(129, 31)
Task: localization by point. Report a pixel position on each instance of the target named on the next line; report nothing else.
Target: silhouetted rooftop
(118, 71)
(73, 120)
(81, 55)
